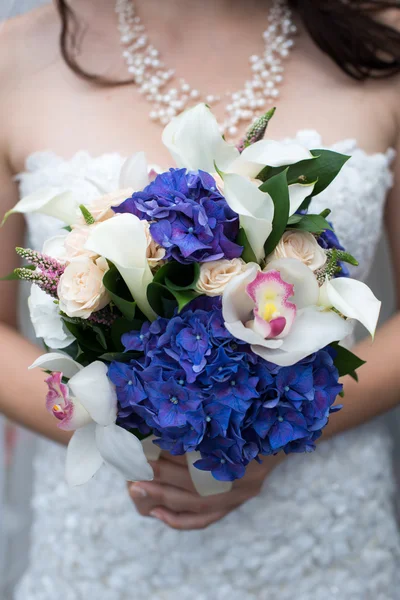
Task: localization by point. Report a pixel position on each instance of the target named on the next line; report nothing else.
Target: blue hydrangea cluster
(189, 217)
(197, 388)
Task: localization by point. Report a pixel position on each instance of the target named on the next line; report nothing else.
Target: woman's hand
(172, 498)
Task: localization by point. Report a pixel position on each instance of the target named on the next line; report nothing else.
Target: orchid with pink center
(273, 313)
(277, 312)
(88, 405)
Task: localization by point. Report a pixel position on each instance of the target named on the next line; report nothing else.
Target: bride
(320, 526)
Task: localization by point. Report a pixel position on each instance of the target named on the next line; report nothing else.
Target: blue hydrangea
(198, 388)
(189, 217)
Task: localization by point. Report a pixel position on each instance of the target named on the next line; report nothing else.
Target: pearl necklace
(156, 82)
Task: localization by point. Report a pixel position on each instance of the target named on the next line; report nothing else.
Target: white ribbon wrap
(203, 481)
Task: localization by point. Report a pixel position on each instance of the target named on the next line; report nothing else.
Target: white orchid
(88, 405)
(282, 314)
(123, 241)
(195, 142)
(46, 320)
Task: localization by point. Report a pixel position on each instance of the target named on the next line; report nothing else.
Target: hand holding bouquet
(200, 309)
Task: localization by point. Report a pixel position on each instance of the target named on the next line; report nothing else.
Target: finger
(172, 473)
(175, 499)
(186, 521)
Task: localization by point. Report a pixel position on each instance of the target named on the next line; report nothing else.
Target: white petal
(152, 452)
(123, 451)
(195, 141)
(236, 303)
(134, 172)
(95, 392)
(203, 481)
(59, 362)
(122, 240)
(55, 247)
(53, 202)
(269, 153)
(255, 208)
(298, 192)
(355, 300)
(248, 335)
(83, 458)
(46, 320)
(306, 289)
(312, 330)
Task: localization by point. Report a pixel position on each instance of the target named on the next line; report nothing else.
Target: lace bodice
(322, 528)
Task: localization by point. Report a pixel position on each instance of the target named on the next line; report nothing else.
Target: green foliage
(174, 286)
(346, 362)
(119, 293)
(248, 254)
(87, 215)
(14, 276)
(311, 223)
(277, 188)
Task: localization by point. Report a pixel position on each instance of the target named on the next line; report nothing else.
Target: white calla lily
(92, 408)
(353, 299)
(54, 202)
(254, 207)
(123, 241)
(135, 172)
(287, 295)
(55, 247)
(195, 142)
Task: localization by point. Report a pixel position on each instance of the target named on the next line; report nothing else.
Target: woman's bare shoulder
(25, 41)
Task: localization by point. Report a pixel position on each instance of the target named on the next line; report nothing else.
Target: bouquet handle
(203, 481)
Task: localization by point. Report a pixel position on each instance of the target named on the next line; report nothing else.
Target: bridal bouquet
(200, 308)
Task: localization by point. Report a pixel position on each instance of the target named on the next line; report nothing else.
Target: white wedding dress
(323, 527)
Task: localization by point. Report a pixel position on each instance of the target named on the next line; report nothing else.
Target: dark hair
(346, 30)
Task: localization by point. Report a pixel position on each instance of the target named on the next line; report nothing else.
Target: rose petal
(123, 451)
(83, 458)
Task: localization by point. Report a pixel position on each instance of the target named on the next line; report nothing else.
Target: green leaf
(294, 219)
(87, 338)
(277, 188)
(87, 215)
(184, 297)
(346, 362)
(179, 277)
(119, 356)
(325, 213)
(248, 254)
(324, 167)
(100, 337)
(119, 293)
(312, 224)
(121, 326)
(14, 275)
(161, 300)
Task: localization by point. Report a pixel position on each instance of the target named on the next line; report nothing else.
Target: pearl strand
(157, 83)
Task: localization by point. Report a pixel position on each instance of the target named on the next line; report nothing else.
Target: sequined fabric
(323, 527)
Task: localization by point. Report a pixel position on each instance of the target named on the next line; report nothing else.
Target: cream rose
(301, 245)
(100, 208)
(155, 253)
(80, 290)
(75, 241)
(216, 274)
